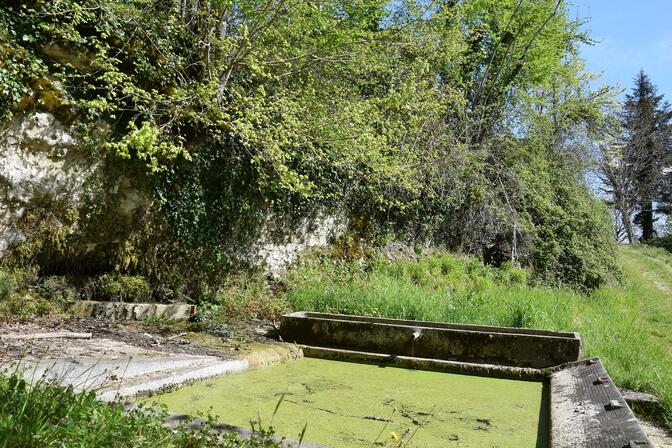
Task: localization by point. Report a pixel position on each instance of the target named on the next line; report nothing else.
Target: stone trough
(583, 406)
(474, 344)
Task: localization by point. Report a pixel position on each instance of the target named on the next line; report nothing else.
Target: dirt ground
(658, 436)
(127, 336)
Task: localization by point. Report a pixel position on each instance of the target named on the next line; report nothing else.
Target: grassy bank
(629, 325)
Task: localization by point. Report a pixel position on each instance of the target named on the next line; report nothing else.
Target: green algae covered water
(358, 405)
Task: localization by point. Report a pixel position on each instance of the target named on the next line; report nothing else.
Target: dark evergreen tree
(647, 122)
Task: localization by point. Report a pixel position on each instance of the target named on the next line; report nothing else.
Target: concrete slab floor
(125, 368)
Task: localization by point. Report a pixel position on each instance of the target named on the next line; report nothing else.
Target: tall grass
(441, 288)
(45, 414)
(625, 324)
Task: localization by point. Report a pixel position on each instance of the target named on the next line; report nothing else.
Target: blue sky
(632, 35)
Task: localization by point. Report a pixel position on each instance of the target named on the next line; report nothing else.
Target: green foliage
(209, 319)
(47, 415)
(56, 289)
(212, 199)
(7, 287)
(23, 295)
(159, 322)
(664, 242)
(27, 306)
(572, 244)
(422, 122)
(117, 287)
(144, 144)
(442, 288)
(248, 296)
(19, 68)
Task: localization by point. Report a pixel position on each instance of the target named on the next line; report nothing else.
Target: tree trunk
(627, 224)
(647, 222)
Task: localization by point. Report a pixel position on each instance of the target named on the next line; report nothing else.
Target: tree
(617, 177)
(647, 123)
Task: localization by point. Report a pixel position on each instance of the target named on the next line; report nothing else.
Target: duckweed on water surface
(354, 405)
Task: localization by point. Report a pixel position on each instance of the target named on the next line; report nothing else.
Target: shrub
(570, 231)
(510, 274)
(7, 287)
(249, 295)
(664, 242)
(19, 297)
(116, 287)
(56, 289)
(209, 319)
(26, 305)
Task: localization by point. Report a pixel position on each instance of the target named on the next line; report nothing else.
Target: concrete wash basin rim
(477, 344)
(422, 324)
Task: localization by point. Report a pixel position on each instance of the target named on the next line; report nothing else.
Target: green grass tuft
(47, 415)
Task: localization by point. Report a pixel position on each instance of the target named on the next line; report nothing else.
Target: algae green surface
(357, 405)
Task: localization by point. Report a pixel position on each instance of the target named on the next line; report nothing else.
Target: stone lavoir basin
(345, 404)
(381, 382)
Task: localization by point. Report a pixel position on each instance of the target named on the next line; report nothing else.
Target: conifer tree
(647, 122)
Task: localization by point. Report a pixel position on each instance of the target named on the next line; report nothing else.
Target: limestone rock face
(40, 162)
(277, 254)
(43, 167)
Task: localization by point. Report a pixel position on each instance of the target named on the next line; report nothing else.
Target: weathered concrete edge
(437, 365)
(132, 311)
(431, 324)
(643, 404)
(256, 359)
(460, 343)
(580, 409)
(164, 383)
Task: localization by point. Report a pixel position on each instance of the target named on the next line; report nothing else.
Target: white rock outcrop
(276, 256)
(40, 161)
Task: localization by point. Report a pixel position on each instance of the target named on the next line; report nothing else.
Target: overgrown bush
(422, 133)
(20, 296)
(7, 286)
(56, 289)
(247, 295)
(26, 306)
(118, 288)
(572, 244)
(664, 242)
(211, 319)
